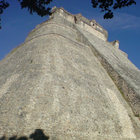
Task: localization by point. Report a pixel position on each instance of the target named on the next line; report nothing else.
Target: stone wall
(88, 25)
(67, 80)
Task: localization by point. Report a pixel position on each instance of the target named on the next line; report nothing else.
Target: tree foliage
(3, 5)
(106, 5)
(39, 6)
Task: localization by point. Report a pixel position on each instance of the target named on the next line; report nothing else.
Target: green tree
(39, 6)
(3, 5)
(106, 5)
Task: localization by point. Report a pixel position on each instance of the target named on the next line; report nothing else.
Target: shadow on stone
(37, 135)
(3, 138)
(13, 138)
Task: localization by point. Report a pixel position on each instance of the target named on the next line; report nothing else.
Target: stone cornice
(90, 25)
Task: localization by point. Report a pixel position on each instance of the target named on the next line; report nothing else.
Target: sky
(125, 26)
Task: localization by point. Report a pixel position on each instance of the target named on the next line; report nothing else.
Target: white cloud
(120, 21)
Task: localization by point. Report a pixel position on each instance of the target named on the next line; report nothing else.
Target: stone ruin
(67, 82)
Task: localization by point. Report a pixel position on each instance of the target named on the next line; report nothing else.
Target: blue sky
(125, 26)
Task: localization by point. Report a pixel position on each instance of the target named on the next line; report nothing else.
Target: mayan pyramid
(68, 82)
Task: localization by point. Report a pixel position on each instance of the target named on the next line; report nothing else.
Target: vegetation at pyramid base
(39, 6)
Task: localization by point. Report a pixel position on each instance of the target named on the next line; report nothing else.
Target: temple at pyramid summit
(68, 82)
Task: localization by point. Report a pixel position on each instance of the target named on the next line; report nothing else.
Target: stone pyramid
(69, 83)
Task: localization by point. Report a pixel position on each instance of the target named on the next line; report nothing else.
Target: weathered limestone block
(67, 82)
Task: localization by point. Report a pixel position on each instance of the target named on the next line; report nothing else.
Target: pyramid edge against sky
(128, 83)
(33, 73)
